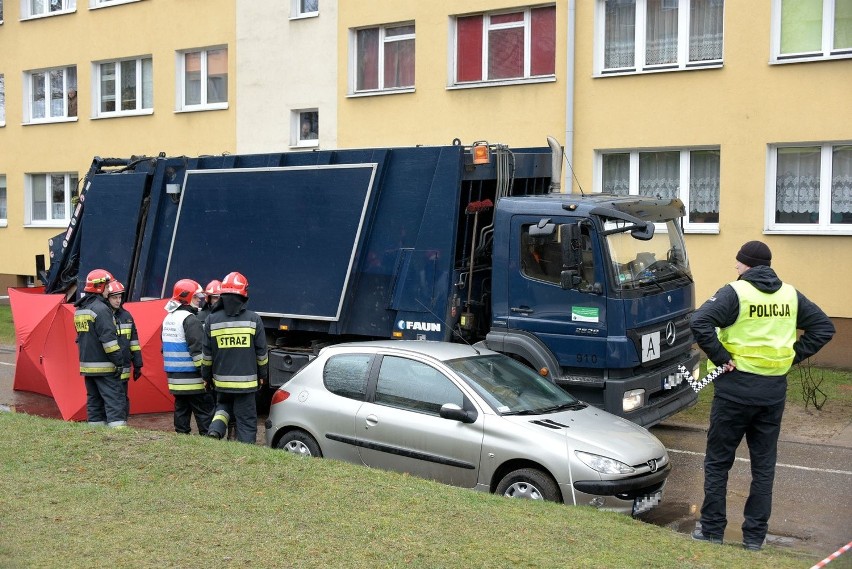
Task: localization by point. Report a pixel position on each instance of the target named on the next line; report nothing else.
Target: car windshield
(510, 387)
(640, 264)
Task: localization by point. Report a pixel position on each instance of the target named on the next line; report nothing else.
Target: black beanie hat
(755, 253)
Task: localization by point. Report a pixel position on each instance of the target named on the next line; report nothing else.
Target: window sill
(46, 224)
(812, 230)
(3, 222)
(111, 4)
(778, 60)
(305, 16)
(502, 83)
(305, 144)
(697, 228)
(647, 71)
(121, 114)
(48, 15)
(49, 121)
(378, 92)
(199, 108)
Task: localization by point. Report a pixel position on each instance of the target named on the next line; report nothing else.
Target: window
(810, 189)
(347, 375)
(414, 386)
(2, 96)
(124, 86)
(35, 8)
(649, 35)
(305, 128)
(807, 30)
(4, 217)
(49, 198)
(691, 175)
(51, 94)
(304, 8)
(203, 79)
(506, 46)
(384, 58)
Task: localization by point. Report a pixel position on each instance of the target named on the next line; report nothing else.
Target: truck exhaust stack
(555, 165)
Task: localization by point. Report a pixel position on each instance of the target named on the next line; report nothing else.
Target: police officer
(182, 337)
(101, 360)
(235, 358)
(757, 316)
(128, 338)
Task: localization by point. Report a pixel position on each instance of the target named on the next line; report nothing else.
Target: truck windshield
(640, 264)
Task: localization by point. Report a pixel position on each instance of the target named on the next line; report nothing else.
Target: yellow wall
(139, 28)
(519, 115)
(742, 107)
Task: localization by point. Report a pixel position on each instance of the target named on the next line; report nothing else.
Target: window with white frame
(304, 8)
(36, 8)
(2, 99)
(4, 216)
(305, 127)
(810, 188)
(692, 175)
(807, 30)
(124, 87)
(384, 58)
(104, 3)
(505, 46)
(51, 94)
(48, 198)
(203, 79)
(653, 35)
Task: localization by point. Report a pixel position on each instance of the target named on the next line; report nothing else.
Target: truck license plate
(672, 380)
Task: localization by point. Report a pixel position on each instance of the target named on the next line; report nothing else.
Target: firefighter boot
(219, 425)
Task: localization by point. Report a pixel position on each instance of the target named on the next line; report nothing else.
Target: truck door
(571, 323)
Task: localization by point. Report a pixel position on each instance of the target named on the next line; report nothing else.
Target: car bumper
(625, 487)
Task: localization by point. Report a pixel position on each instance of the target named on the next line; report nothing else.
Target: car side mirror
(453, 412)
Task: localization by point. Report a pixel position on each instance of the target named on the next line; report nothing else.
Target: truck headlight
(633, 399)
(603, 464)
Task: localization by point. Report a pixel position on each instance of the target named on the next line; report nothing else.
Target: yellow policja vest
(761, 340)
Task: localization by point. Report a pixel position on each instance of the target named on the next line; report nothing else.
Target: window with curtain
(640, 35)
(2, 100)
(205, 79)
(807, 196)
(812, 29)
(506, 46)
(51, 94)
(125, 86)
(34, 8)
(49, 198)
(305, 127)
(691, 175)
(384, 58)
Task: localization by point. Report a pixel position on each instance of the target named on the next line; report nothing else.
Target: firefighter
(211, 291)
(128, 338)
(182, 335)
(101, 360)
(235, 358)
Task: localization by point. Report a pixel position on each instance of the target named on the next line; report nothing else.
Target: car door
(402, 430)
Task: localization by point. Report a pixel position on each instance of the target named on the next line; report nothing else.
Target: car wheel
(301, 443)
(529, 484)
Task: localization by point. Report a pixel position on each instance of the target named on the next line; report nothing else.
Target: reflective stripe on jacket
(235, 348)
(97, 337)
(761, 340)
(182, 366)
(128, 340)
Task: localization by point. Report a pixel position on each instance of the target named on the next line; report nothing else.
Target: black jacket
(97, 337)
(723, 309)
(234, 347)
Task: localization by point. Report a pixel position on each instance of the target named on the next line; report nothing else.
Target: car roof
(442, 351)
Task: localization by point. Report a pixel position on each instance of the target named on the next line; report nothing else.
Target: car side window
(411, 385)
(347, 375)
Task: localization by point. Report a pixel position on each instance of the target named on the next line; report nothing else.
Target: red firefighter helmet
(213, 288)
(115, 288)
(235, 283)
(185, 289)
(96, 281)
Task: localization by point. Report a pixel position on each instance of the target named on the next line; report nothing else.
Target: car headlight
(633, 399)
(603, 464)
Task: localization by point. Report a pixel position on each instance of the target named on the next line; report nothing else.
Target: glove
(137, 371)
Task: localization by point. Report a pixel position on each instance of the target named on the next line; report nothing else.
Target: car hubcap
(523, 490)
(297, 447)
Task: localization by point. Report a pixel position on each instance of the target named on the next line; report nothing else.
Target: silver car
(467, 417)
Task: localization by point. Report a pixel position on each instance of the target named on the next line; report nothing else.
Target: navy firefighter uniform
(235, 358)
(128, 337)
(750, 327)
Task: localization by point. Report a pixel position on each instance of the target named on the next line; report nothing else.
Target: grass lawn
(75, 496)
(7, 329)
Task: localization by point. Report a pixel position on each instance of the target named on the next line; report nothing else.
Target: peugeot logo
(671, 333)
(652, 464)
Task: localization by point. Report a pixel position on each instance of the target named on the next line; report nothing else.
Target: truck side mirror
(572, 258)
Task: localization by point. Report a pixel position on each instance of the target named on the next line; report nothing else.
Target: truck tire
(300, 443)
(529, 484)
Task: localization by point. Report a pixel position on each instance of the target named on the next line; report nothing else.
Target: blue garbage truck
(451, 243)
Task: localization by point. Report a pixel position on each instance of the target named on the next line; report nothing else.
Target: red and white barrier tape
(699, 385)
(833, 556)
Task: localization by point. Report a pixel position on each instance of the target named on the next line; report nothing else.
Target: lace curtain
(797, 181)
(619, 32)
(704, 181)
(659, 174)
(616, 174)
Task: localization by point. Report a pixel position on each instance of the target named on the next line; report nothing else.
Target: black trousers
(201, 404)
(106, 400)
(729, 422)
(240, 408)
